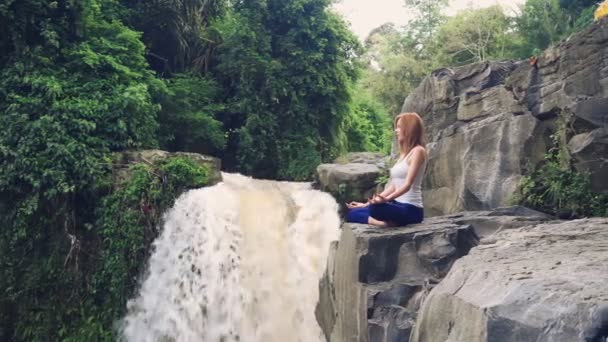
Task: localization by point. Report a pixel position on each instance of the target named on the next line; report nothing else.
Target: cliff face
(377, 278)
(510, 274)
(489, 123)
(485, 274)
(540, 283)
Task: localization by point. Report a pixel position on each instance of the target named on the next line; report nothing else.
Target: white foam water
(239, 261)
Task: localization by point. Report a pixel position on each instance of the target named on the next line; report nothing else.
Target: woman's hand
(353, 205)
(377, 199)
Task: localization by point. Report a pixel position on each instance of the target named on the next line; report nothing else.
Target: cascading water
(239, 261)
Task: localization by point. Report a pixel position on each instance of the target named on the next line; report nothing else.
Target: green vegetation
(288, 65)
(476, 36)
(127, 222)
(556, 187)
(68, 274)
(189, 116)
(368, 126)
(266, 86)
(397, 59)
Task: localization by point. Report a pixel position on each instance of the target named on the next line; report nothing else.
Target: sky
(365, 15)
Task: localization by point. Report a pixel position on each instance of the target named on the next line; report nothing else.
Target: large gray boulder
(490, 123)
(352, 181)
(353, 176)
(376, 279)
(479, 166)
(538, 283)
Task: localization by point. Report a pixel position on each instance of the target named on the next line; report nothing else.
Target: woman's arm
(388, 190)
(377, 198)
(416, 160)
(353, 205)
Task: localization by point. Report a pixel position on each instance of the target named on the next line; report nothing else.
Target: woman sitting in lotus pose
(401, 201)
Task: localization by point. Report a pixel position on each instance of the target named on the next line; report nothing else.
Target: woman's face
(398, 131)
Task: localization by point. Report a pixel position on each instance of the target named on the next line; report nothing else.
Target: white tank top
(399, 174)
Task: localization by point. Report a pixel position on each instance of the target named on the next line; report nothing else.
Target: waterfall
(239, 261)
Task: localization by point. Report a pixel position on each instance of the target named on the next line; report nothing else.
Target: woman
(401, 201)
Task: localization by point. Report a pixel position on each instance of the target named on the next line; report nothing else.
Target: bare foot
(377, 223)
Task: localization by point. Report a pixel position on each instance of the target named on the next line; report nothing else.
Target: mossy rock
(123, 160)
(348, 182)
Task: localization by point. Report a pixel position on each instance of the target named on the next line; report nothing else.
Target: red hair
(411, 130)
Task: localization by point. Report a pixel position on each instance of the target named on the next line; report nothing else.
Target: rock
(353, 176)
(590, 152)
(379, 159)
(477, 128)
(377, 278)
(451, 94)
(597, 329)
(478, 166)
(351, 181)
(475, 104)
(592, 113)
(545, 282)
(488, 223)
(356, 286)
(123, 159)
(489, 123)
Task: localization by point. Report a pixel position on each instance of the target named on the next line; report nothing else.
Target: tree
(74, 86)
(576, 7)
(394, 66)
(546, 22)
(288, 66)
(476, 35)
(397, 60)
(428, 17)
(189, 116)
(368, 127)
(182, 37)
(541, 23)
(179, 34)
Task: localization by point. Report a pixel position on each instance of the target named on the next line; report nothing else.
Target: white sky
(365, 15)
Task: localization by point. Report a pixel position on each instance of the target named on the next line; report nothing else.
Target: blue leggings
(394, 212)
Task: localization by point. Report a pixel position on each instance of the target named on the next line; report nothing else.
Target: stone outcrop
(538, 283)
(124, 159)
(353, 176)
(377, 278)
(375, 158)
(489, 123)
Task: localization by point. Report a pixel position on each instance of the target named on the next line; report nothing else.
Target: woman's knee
(372, 209)
(357, 215)
(384, 212)
(414, 215)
